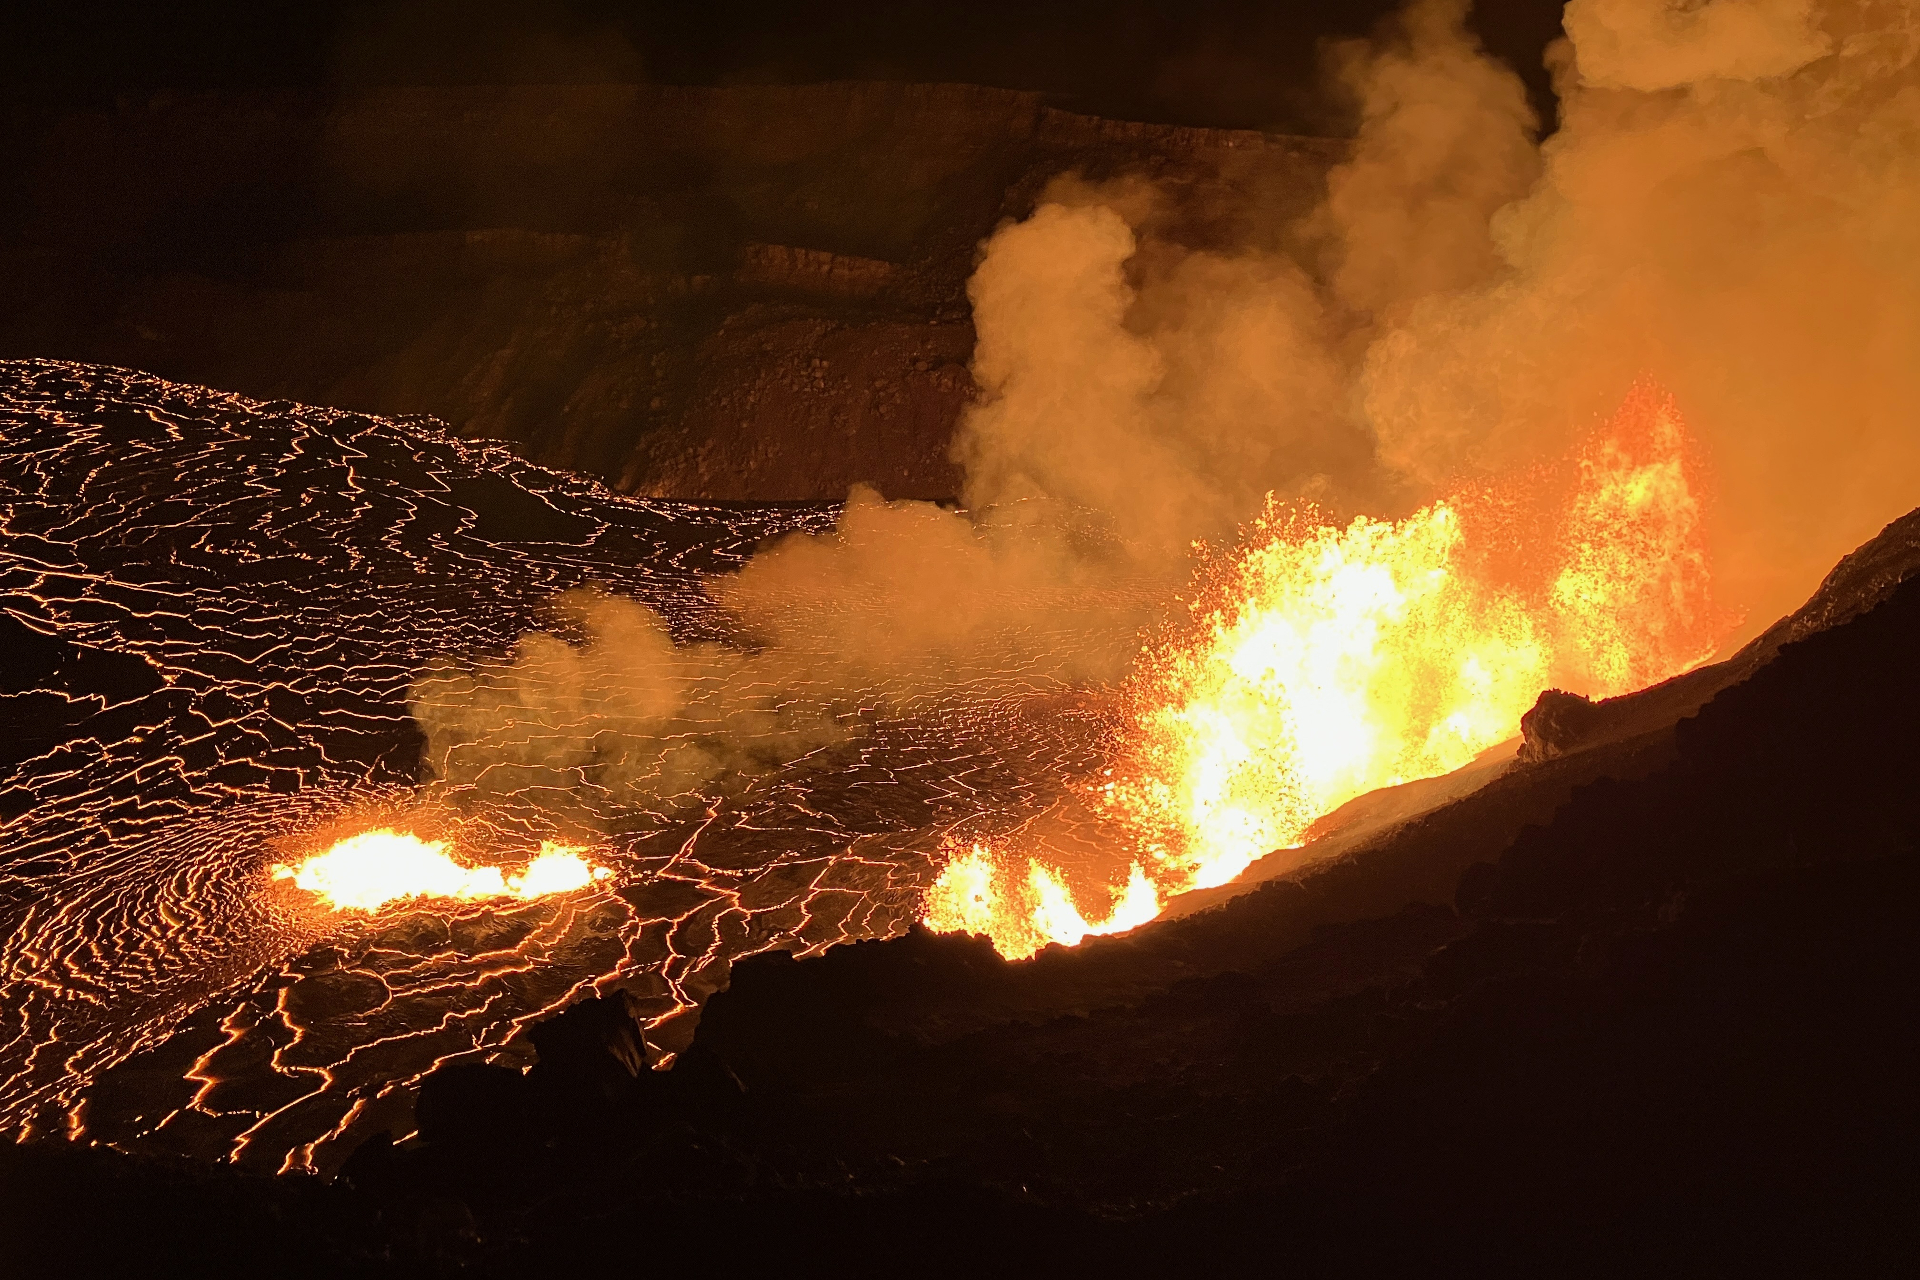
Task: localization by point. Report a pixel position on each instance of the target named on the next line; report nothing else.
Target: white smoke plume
(905, 608)
(1174, 387)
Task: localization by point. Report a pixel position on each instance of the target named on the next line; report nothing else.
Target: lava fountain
(367, 871)
(1021, 914)
(1324, 661)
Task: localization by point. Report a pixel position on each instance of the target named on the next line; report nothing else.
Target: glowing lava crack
(367, 871)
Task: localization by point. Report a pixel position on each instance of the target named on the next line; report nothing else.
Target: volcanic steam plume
(1497, 416)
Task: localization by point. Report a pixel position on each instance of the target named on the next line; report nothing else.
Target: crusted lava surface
(215, 609)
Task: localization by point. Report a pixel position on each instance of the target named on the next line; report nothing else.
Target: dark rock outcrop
(1555, 725)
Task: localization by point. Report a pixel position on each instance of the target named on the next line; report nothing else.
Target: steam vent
(993, 639)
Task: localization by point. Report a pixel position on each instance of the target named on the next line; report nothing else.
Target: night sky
(1229, 63)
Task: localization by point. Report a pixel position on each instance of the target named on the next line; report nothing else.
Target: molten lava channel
(367, 871)
(1324, 661)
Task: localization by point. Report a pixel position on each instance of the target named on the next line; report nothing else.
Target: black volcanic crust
(1665, 1029)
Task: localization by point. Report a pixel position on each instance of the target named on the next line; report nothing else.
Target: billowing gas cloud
(1175, 386)
(905, 608)
(1730, 206)
(623, 712)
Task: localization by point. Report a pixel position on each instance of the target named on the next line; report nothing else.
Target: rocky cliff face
(744, 293)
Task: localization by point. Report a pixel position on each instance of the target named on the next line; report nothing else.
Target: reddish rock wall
(745, 293)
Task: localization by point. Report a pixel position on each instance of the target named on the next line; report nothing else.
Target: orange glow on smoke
(365, 872)
(1327, 661)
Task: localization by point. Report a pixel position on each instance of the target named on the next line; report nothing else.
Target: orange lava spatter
(1327, 660)
(983, 891)
(367, 871)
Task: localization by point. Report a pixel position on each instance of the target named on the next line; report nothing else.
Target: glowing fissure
(367, 871)
(1328, 661)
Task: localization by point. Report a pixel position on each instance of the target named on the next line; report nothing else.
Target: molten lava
(1327, 661)
(977, 892)
(367, 871)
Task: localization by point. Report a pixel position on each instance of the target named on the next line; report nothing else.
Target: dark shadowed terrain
(722, 253)
(699, 251)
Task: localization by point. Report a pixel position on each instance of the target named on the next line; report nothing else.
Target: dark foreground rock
(1664, 1028)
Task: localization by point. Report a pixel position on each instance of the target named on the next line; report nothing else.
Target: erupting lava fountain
(1325, 661)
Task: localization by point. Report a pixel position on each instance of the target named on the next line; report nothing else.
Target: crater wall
(753, 293)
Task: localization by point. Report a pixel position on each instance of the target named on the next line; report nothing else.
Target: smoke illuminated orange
(367, 871)
(1327, 661)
